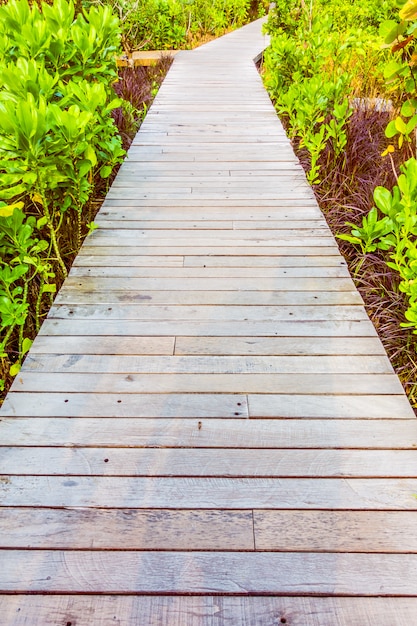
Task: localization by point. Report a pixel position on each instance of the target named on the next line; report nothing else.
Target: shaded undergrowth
(345, 194)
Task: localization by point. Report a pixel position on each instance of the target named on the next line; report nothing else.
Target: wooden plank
(207, 346)
(336, 531)
(207, 405)
(97, 260)
(138, 224)
(183, 383)
(103, 345)
(330, 406)
(154, 610)
(109, 238)
(209, 493)
(165, 213)
(340, 364)
(263, 273)
(259, 345)
(92, 404)
(319, 328)
(197, 298)
(154, 261)
(121, 529)
(132, 311)
(208, 572)
(116, 430)
(201, 250)
(208, 204)
(190, 462)
(119, 279)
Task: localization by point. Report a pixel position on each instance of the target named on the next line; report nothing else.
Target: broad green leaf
(390, 30)
(15, 369)
(48, 288)
(26, 345)
(400, 125)
(383, 199)
(105, 171)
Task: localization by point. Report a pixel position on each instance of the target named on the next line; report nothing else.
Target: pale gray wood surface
(208, 572)
(204, 432)
(211, 462)
(208, 493)
(93, 610)
(208, 409)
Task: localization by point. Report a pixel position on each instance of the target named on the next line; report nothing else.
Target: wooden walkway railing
(207, 429)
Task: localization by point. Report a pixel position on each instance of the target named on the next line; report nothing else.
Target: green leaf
(48, 288)
(390, 30)
(391, 130)
(15, 369)
(26, 345)
(105, 171)
(400, 125)
(42, 221)
(383, 199)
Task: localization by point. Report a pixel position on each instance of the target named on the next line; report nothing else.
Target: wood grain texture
(211, 462)
(336, 531)
(208, 572)
(142, 311)
(211, 328)
(196, 383)
(210, 493)
(127, 432)
(91, 404)
(87, 294)
(269, 345)
(342, 364)
(207, 610)
(126, 529)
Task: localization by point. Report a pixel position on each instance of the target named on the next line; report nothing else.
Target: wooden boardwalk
(207, 429)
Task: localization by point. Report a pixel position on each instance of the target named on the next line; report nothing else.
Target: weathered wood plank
(378, 406)
(110, 431)
(104, 345)
(278, 328)
(138, 224)
(196, 383)
(126, 529)
(208, 572)
(92, 404)
(336, 531)
(89, 295)
(132, 311)
(201, 249)
(210, 493)
(264, 262)
(146, 213)
(132, 260)
(212, 284)
(154, 610)
(113, 237)
(189, 462)
(341, 364)
(262, 345)
(212, 272)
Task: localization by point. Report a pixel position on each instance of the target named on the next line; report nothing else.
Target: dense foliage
(57, 136)
(174, 24)
(342, 76)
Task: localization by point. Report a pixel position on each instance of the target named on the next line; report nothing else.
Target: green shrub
(57, 136)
